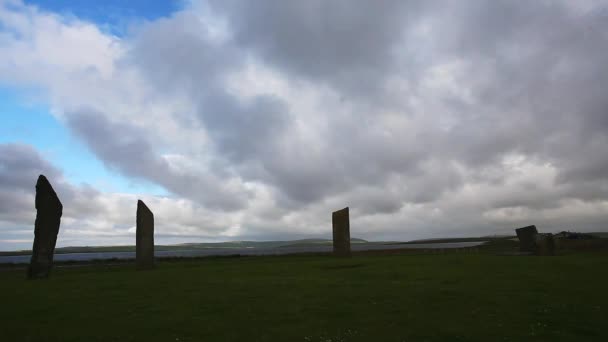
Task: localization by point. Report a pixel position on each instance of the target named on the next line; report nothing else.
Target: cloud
(426, 118)
(20, 166)
(90, 216)
(128, 149)
(339, 42)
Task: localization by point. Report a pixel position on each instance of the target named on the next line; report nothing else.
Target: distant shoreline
(260, 251)
(246, 244)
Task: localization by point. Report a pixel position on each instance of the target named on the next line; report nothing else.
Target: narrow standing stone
(341, 232)
(144, 244)
(46, 228)
(527, 238)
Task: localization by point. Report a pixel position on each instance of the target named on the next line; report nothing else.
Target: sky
(254, 120)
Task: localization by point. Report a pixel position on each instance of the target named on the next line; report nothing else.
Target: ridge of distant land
(267, 244)
(483, 238)
(465, 239)
(194, 246)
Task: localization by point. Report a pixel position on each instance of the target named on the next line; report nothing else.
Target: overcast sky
(240, 120)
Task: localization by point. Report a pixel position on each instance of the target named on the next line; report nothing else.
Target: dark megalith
(545, 244)
(341, 232)
(527, 238)
(46, 228)
(144, 244)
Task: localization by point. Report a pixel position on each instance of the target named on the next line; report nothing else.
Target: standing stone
(545, 244)
(551, 244)
(144, 248)
(46, 228)
(341, 232)
(527, 238)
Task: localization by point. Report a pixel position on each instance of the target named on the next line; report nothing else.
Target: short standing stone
(545, 244)
(46, 228)
(144, 249)
(527, 238)
(341, 232)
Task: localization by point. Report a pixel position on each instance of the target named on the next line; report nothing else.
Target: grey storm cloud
(130, 150)
(243, 130)
(89, 215)
(20, 166)
(532, 75)
(425, 117)
(336, 41)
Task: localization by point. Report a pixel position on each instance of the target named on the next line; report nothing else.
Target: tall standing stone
(527, 238)
(144, 244)
(46, 228)
(341, 232)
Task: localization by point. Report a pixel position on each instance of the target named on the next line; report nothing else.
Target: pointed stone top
(142, 206)
(43, 183)
(44, 189)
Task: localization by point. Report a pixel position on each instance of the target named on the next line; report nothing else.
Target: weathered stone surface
(144, 249)
(545, 244)
(46, 228)
(341, 232)
(527, 238)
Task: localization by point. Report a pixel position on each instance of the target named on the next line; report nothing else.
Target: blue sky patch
(112, 16)
(28, 122)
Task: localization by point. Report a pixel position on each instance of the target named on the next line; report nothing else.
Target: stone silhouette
(46, 228)
(341, 232)
(545, 244)
(144, 239)
(527, 238)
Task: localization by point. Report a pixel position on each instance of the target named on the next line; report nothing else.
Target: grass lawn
(452, 297)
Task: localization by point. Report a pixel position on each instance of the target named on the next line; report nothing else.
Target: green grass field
(451, 297)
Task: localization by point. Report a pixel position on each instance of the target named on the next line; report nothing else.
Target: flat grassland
(410, 297)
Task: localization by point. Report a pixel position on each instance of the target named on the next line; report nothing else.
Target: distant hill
(266, 244)
(603, 235)
(193, 246)
(467, 239)
(483, 238)
(318, 242)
